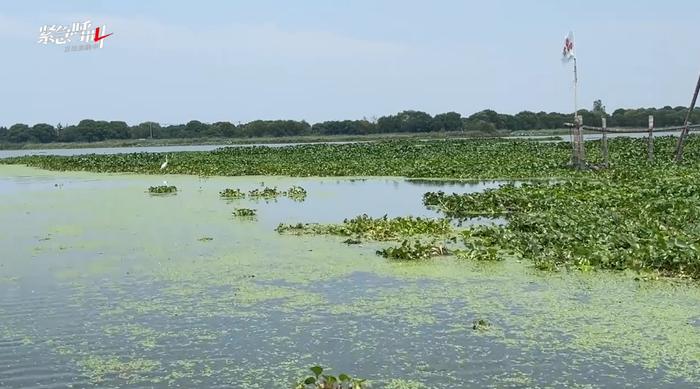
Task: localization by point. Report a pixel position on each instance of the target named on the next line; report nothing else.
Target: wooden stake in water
(604, 142)
(684, 132)
(581, 143)
(650, 140)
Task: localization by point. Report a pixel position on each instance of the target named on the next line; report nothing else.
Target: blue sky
(174, 61)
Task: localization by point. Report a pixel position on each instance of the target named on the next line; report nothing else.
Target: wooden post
(650, 141)
(604, 142)
(581, 144)
(572, 135)
(684, 132)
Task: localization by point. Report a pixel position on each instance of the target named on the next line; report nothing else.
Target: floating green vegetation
(162, 189)
(403, 384)
(244, 212)
(6, 279)
(229, 193)
(325, 381)
(648, 224)
(472, 159)
(590, 324)
(296, 193)
(413, 251)
(381, 229)
(134, 370)
(479, 254)
(265, 193)
(479, 245)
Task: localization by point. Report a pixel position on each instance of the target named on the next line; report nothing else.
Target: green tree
(406, 121)
(144, 130)
(488, 116)
(18, 133)
(42, 133)
(117, 130)
(480, 126)
(226, 129)
(195, 129)
(450, 121)
(526, 120)
(599, 108)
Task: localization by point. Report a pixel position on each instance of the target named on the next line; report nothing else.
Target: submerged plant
(244, 212)
(162, 189)
(324, 381)
(229, 193)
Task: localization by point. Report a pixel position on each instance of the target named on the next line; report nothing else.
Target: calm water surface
(103, 285)
(145, 149)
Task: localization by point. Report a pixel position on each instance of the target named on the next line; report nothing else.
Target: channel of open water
(104, 285)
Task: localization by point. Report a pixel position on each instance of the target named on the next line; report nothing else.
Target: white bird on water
(165, 164)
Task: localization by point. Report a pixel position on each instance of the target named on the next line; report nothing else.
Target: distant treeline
(484, 122)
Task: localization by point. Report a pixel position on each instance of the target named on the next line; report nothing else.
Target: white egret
(165, 164)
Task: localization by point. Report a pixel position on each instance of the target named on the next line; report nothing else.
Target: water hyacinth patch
(229, 193)
(296, 193)
(162, 189)
(380, 229)
(414, 251)
(325, 381)
(244, 212)
(265, 193)
(644, 225)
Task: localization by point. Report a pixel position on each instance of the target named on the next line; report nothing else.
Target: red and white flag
(568, 52)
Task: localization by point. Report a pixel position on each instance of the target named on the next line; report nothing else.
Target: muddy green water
(103, 285)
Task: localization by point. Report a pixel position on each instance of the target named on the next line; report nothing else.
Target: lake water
(104, 285)
(145, 149)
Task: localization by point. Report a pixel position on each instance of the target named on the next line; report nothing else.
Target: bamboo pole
(581, 149)
(604, 142)
(635, 130)
(575, 138)
(684, 132)
(650, 140)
